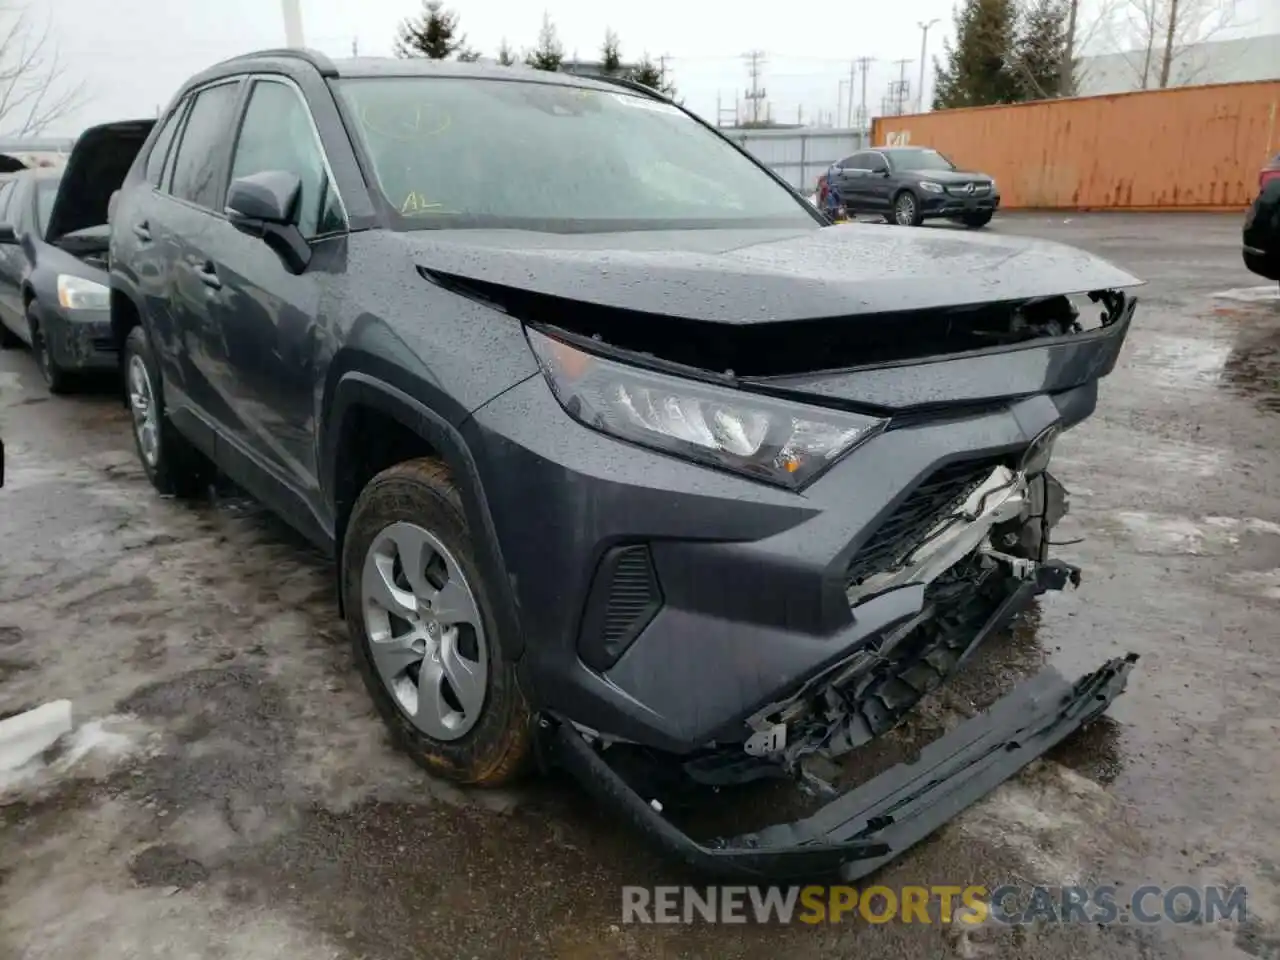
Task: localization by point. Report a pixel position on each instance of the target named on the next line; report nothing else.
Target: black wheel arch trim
(355, 388)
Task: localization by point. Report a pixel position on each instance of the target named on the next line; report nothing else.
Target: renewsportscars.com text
(1007, 904)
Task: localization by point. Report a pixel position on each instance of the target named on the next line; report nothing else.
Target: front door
(879, 184)
(269, 315)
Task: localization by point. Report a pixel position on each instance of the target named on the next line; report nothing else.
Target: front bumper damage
(980, 565)
(861, 830)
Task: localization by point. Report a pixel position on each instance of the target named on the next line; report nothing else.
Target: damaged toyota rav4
(621, 449)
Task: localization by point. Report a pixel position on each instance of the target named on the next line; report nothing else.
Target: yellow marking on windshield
(406, 123)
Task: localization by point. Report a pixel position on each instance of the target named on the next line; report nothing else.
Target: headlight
(77, 293)
(930, 186)
(777, 441)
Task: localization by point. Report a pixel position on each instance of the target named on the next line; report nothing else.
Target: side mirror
(270, 197)
(8, 235)
(265, 205)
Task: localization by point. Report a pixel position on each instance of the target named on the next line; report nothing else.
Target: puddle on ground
(1252, 368)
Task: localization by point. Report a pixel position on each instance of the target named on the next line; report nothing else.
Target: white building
(1223, 61)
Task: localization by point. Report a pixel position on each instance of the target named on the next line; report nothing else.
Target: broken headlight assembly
(777, 441)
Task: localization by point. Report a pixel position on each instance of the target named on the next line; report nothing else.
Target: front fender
(356, 389)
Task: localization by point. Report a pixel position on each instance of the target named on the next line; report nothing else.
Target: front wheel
(424, 634)
(906, 210)
(174, 467)
(55, 378)
(975, 220)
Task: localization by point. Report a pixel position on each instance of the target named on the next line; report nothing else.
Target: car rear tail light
(1267, 175)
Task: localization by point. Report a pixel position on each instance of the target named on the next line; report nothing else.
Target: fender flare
(355, 388)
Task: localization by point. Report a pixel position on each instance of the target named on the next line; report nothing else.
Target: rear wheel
(423, 630)
(976, 220)
(174, 467)
(906, 211)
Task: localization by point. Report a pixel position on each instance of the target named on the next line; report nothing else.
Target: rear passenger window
(195, 169)
(6, 194)
(160, 151)
(277, 134)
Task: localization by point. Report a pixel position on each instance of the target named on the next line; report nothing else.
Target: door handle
(142, 231)
(209, 277)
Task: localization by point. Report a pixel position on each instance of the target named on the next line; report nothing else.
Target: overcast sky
(131, 55)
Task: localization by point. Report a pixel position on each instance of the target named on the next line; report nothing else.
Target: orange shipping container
(1175, 149)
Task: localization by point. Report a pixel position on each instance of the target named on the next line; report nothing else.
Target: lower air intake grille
(625, 596)
(905, 529)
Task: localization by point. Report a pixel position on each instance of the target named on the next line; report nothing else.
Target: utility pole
(901, 93)
(662, 71)
(755, 60)
(864, 64)
(853, 66)
(292, 12)
(355, 46)
(924, 46)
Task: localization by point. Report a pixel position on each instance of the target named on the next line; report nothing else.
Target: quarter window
(277, 134)
(195, 171)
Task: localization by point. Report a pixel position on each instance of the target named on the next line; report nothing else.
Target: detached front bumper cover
(861, 830)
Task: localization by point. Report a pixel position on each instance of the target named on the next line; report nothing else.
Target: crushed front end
(736, 630)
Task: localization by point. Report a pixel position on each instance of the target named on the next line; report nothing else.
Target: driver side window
(277, 134)
(876, 164)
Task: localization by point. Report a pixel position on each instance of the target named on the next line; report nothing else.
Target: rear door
(182, 224)
(267, 314)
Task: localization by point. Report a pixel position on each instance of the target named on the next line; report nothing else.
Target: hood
(750, 277)
(946, 176)
(96, 168)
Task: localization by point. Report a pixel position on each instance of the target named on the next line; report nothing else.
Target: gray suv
(627, 460)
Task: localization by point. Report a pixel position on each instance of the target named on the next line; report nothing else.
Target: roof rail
(314, 57)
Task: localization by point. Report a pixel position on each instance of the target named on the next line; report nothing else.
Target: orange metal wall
(1180, 148)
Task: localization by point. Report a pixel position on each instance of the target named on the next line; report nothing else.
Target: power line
(755, 60)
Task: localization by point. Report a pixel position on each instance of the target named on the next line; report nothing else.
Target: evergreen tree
(432, 34)
(506, 56)
(650, 74)
(548, 54)
(1040, 49)
(611, 54)
(979, 68)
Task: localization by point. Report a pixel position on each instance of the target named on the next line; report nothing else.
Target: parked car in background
(597, 450)
(54, 292)
(908, 185)
(1262, 224)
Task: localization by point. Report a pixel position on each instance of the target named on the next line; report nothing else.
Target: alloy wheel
(146, 425)
(905, 210)
(425, 631)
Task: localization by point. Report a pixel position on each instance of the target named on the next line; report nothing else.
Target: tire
(58, 380)
(975, 221)
(174, 467)
(906, 210)
(413, 509)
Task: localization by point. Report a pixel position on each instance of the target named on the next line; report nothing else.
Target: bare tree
(1085, 33)
(34, 93)
(1159, 34)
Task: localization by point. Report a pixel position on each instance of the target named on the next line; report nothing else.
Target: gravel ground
(228, 791)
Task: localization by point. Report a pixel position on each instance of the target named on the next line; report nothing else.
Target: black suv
(620, 450)
(909, 185)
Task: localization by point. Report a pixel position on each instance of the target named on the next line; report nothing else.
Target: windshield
(46, 191)
(451, 152)
(921, 160)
